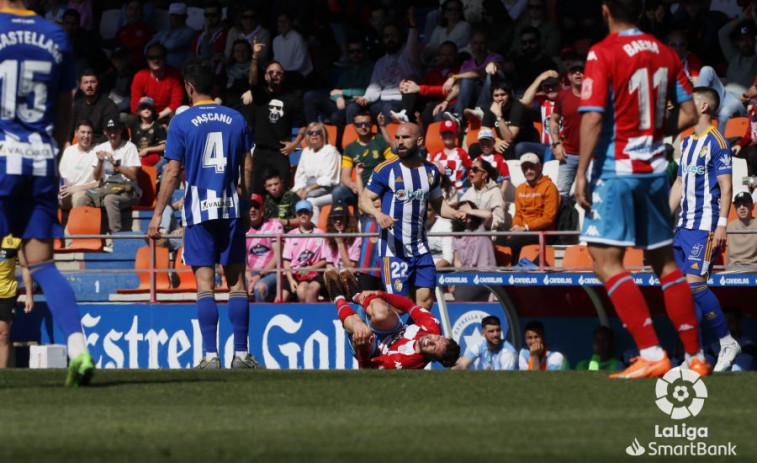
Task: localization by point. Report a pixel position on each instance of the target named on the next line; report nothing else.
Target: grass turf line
(366, 416)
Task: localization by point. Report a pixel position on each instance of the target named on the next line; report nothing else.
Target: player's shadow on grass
(136, 381)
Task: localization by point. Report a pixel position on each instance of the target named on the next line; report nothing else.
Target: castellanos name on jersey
(210, 140)
(404, 194)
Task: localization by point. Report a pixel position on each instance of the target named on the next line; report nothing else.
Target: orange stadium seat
(83, 220)
(577, 258)
(531, 252)
(472, 136)
(434, 141)
(633, 259)
(736, 127)
(187, 282)
(503, 255)
(539, 128)
(142, 262)
(147, 179)
(391, 129)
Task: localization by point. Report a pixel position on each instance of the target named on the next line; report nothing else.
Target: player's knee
(5, 333)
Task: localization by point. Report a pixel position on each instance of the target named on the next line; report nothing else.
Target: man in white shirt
(290, 49)
(76, 168)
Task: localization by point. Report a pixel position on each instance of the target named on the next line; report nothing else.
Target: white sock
(241, 354)
(653, 353)
(699, 355)
(727, 339)
(211, 355)
(76, 345)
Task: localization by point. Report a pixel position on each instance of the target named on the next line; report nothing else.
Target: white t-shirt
(77, 166)
(126, 153)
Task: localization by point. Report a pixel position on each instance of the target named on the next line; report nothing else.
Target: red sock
(632, 309)
(679, 303)
(343, 309)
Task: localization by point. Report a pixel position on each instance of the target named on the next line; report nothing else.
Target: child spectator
(452, 161)
(148, 136)
(261, 252)
(341, 253)
(303, 254)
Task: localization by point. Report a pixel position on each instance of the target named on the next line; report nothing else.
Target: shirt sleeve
(596, 82)
(174, 142)
(435, 188)
(131, 156)
(722, 161)
(378, 182)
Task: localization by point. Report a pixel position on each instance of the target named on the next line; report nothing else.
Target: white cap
(177, 8)
(531, 158)
(485, 133)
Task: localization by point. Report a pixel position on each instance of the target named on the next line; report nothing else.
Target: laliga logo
(680, 393)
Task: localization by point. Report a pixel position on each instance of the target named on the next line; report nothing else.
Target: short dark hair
(451, 354)
(199, 73)
(536, 326)
(86, 122)
(448, 43)
(157, 46)
(501, 84)
(711, 95)
(244, 42)
(269, 174)
(88, 72)
(490, 320)
(626, 11)
(531, 30)
(362, 113)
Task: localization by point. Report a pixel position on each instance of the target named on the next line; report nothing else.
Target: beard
(409, 152)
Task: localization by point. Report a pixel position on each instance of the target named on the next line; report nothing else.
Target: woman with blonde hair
(319, 169)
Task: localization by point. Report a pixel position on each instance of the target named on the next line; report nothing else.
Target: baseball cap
(530, 158)
(551, 82)
(113, 124)
(146, 102)
(303, 205)
(256, 198)
(177, 8)
(743, 197)
(448, 126)
(339, 209)
(485, 133)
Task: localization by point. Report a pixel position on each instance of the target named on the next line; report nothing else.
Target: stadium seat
(550, 169)
(503, 255)
(350, 134)
(83, 220)
(109, 23)
(434, 141)
(736, 127)
(539, 128)
(147, 178)
(634, 259)
(577, 258)
(330, 130)
(391, 128)
(740, 170)
(142, 262)
(516, 178)
(195, 17)
(531, 252)
(187, 282)
(472, 136)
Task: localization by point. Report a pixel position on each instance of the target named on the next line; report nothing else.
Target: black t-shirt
(274, 115)
(516, 115)
(97, 113)
(150, 136)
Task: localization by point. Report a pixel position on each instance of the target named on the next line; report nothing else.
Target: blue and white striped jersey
(404, 194)
(703, 159)
(36, 65)
(211, 141)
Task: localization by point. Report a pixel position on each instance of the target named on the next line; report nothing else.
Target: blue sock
(239, 315)
(708, 309)
(207, 315)
(60, 297)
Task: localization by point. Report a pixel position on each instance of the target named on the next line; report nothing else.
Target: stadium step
(97, 287)
(163, 297)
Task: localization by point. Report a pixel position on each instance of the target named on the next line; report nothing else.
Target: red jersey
(546, 108)
(566, 105)
(398, 351)
(452, 165)
(629, 77)
(497, 161)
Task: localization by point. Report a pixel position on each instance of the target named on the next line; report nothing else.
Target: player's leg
(362, 339)
(382, 318)
(5, 336)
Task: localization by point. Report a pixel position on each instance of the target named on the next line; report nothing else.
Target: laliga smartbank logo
(680, 394)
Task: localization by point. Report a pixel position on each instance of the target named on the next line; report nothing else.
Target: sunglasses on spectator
(315, 132)
(362, 125)
(576, 70)
(212, 14)
(155, 57)
(529, 42)
(476, 170)
(255, 206)
(275, 73)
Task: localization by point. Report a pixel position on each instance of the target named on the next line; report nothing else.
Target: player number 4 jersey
(629, 77)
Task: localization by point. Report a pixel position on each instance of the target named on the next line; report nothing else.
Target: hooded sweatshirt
(536, 206)
(489, 198)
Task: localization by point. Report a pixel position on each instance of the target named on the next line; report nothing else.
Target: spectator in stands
(303, 255)
(276, 111)
(441, 247)
(370, 149)
(452, 161)
(9, 292)
(536, 204)
(279, 203)
(452, 28)
(602, 359)
(700, 25)
(134, 35)
(399, 62)
(493, 352)
(428, 96)
(118, 78)
(737, 43)
(84, 7)
(318, 170)
(537, 18)
(509, 119)
(262, 252)
(85, 44)
(657, 19)
(117, 167)
(236, 76)
(742, 248)
(475, 77)
(177, 39)
(92, 105)
(530, 62)
(536, 355)
(210, 42)
(160, 82)
(547, 85)
(352, 82)
(339, 252)
(76, 171)
(564, 127)
(746, 146)
(149, 136)
(485, 149)
(485, 193)
(730, 102)
(691, 63)
(472, 251)
(250, 30)
(291, 50)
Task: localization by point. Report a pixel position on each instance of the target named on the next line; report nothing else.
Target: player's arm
(169, 181)
(445, 210)
(725, 182)
(26, 277)
(591, 125)
(366, 199)
(64, 108)
(462, 363)
(676, 191)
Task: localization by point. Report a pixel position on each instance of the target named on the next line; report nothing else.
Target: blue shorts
(378, 335)
(629, 211)
(694, 251)
(29, 207)
(213, 242)
(401, 274)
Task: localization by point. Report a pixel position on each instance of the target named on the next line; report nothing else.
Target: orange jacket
(536, 206)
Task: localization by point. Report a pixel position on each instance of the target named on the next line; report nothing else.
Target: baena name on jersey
(218, 203)
(640, 45)
(31, 38)
(210, 117)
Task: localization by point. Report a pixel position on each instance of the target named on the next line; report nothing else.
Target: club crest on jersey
(586, 88)
(704, 151)
(259, 250)
(305, 256)
(696, 250)
(430, 178)
(695, 266)
(398, 285)
(375, 154)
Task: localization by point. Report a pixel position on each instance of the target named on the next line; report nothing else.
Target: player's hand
(287, 147)
(153, 230)
(559, 152)
(384, 221)
(29, 303)
(720, 238)
(582, 198)
(735, 149)
(362, 335)
(536, 349)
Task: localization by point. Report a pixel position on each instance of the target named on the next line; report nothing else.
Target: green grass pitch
(357, 416)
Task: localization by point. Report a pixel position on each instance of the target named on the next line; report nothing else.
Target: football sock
(241, 354)
(708, 308)
(632, 309)
(679, 304)
(239, 315)
(207, 315)
(211, 355)
(62, 303)
(653, 353)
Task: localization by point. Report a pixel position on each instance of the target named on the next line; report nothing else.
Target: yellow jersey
(8, 255)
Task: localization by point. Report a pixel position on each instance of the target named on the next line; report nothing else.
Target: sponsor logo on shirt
(405, 195)
(218, 203)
